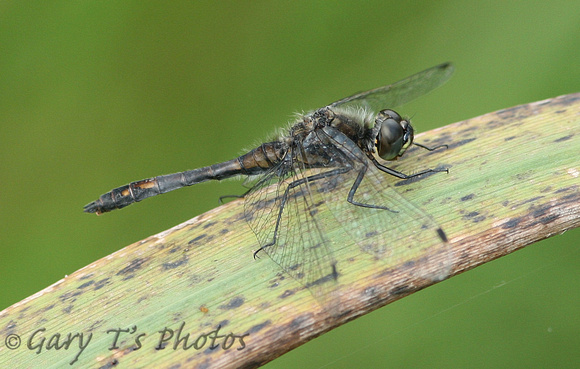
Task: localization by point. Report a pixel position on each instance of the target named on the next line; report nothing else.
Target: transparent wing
(291, 218)
(402, 234)
(400, 92)
(283, 217)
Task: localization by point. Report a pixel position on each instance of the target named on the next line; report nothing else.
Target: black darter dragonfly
(326, 150)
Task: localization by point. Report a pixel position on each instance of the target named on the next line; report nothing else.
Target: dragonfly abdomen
(262, 158)
(136, 191)
(254, 162)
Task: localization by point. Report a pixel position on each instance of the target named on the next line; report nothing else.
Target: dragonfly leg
(292, 185)
(355, 185)
(430, 148)
(403, 175)
(221, 199)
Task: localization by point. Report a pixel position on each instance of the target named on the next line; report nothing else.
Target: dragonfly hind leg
(292, 185)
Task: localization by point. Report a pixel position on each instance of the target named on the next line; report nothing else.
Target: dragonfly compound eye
(395, 134)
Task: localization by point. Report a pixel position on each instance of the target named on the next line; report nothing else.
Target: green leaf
(513, 180)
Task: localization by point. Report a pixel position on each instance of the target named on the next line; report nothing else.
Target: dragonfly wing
(283, 217)
(402, 234)
(400, 92)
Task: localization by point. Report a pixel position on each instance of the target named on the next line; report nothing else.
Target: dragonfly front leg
(403, 175)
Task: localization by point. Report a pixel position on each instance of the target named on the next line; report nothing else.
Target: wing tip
(442, 235)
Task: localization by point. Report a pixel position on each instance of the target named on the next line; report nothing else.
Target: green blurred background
(97, 94)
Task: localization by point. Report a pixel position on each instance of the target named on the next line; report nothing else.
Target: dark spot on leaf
(540, 211)
(467, 197)
(549, 219)
(175, 264)
(569, 99)
(69, 296)
(49, 307)
(96, 325)
(209, 224)
(298, 323)
(402, 290)
(565, 138)
(512, 223)
(133, 266)
(234, 303)
(85, 285)
(566, 189)
(259, 327)
(509, 112)
(409, 264)
(196, 239)
(474, 216)
(371, 234)
(111, 364)
(533, 199)
(524, 176)
(571, 197)
(9, 328)
(547, 189)
(102, 283)
(294, 267)
(286, 294)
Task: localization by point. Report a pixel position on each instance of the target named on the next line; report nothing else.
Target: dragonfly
(326, 162)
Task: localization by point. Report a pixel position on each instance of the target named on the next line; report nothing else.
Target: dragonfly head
(394, 136)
